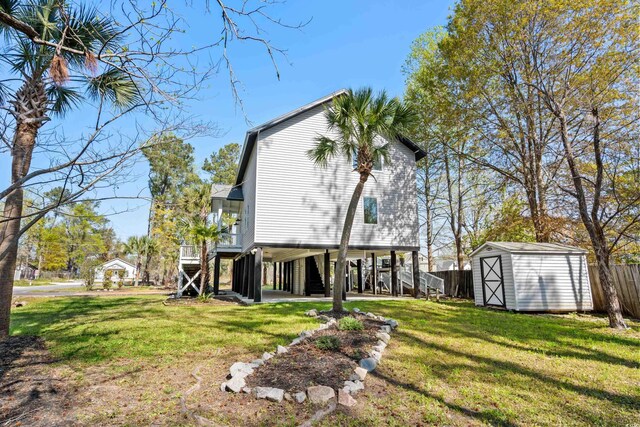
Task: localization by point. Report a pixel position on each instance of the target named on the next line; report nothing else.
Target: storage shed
(531, 277)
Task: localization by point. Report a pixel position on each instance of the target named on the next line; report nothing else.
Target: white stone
(223, 387)
(380, 347)
(287, 397)
(266, 356)
(312, 313)
(246, 390)
(319, 394)
(255, 363)
(236, 384)
(323, 326)
(296, 341)
(281, 349)
(376, 355)
(371, 315)
(383, 336)
(269, 393)
(240, 367)
(369, 364)
(386, 329)
(356, 310)
(300, 397)
(392, 323)
(361, 373)
(353, 386)
(305, 334)
(345, 399)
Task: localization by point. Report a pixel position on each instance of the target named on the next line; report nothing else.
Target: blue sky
(346, 44)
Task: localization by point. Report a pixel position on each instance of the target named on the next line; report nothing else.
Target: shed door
(492, 281)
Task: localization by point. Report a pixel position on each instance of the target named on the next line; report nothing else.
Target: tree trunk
(23, 143)
(591, 222)
(344, 244)
(138, 266)
(204, 267)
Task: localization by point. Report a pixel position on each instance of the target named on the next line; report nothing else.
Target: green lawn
(449, 363)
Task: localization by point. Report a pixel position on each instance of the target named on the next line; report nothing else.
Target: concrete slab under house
(286, 211)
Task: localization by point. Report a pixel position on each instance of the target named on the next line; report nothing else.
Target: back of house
(293, 211)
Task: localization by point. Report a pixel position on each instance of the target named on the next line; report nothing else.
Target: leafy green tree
(171, 169)
(223, 165)
(358, 118)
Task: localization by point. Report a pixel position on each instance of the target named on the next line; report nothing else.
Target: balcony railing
(189, 252)
(230, 241)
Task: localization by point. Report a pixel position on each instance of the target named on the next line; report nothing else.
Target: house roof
(227, 192)
(252, 134)
(119, 259)
(526, 247)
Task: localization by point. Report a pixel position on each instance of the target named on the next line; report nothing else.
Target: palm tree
(52, 80)
(135, 246)
(202, 234)
(359, 119)
(197, 199)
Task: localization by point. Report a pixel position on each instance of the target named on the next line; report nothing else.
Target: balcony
(189, 254)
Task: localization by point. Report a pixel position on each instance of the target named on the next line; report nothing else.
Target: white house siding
(299, 203)
(249, 207)
(552, 282)
(507, 276)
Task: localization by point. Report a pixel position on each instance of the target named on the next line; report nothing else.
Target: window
(370, 210)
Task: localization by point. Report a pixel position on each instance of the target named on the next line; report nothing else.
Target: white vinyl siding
(249, 206)
(507, 276)
(551, 282)
(299, 203)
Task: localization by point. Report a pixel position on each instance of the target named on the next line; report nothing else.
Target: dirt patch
(198, 301)
(306, 365)
(31, 393)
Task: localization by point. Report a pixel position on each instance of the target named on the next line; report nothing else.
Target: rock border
(318, 394)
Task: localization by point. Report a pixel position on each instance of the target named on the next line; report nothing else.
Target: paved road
(60, 290)
(44, 289)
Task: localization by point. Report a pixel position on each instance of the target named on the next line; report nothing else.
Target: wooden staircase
(313, 279)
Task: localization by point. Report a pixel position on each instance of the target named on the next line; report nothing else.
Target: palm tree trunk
(204, 270)
(344, 244)
(137, 280)
(23, 143)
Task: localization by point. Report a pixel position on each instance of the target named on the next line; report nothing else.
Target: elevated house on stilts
(290, 212)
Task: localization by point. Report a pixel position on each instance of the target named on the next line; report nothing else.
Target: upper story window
(370, 210)
(377, 163)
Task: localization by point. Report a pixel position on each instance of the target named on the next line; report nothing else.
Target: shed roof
(251, 136)
(526, 247)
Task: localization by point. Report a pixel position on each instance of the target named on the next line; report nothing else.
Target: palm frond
(324, 151)
(115, 86)
(89, 30)
(63, 99)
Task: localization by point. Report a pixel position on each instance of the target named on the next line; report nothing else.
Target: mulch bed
(305, 365)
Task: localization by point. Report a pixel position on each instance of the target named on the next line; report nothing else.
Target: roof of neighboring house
(525, 247)
(119, 259)
(228, 192)
(252, 134)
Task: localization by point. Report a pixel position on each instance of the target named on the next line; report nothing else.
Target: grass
(449, 363)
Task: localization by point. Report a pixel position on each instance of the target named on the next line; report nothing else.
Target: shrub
(106, 281)
(350, 324)
(120, 279)
(328, 342)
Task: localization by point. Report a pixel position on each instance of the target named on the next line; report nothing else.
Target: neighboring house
(531, 277)
(115, 265)
(291, 212)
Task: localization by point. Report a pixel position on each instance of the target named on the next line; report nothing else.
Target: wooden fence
(626, 279)
(450, 277)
